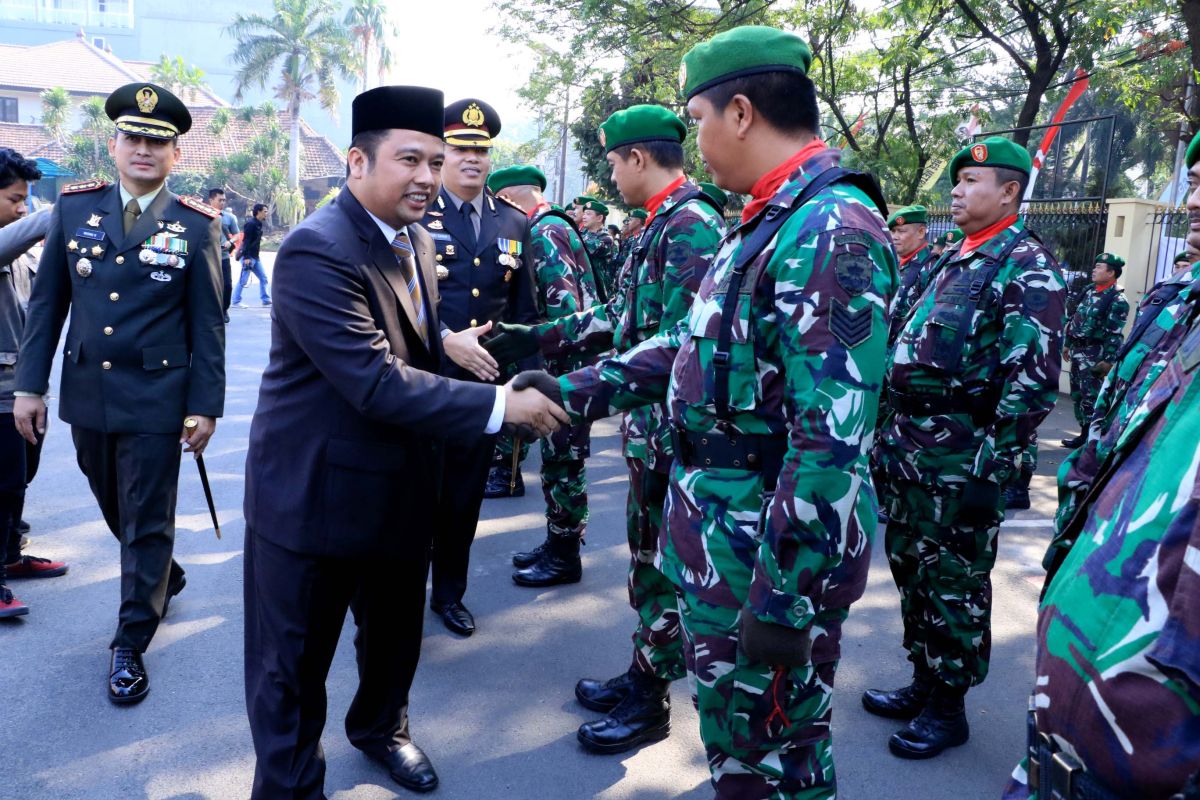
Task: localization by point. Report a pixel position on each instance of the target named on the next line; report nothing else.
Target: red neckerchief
(974, 241)
(767, 185)
(905, 259)
(1103, 287)
(652, 205)
(538, 209)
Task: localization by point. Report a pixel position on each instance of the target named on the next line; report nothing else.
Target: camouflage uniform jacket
(1012, 353)
(601, 248)
(562, 272)
(647, 303)
(1098, 324)
(914, 279)
(1172, 302)
(1118, 660)
(807, 358)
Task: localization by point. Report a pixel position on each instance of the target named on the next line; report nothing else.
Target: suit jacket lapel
(147, 224)
(427, 272)
(489, 223)
(453, 222)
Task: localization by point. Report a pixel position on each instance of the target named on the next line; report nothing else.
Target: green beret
(582, 200)
(714, 191)
(994, 151)
(641, 123)
(949, 237)
(908, 214)
(556, 207)
(523, 175)
(748, 50)
(1182, 257)
(639, 213)
(597, 206)
(1111, 260)
(1193, 151)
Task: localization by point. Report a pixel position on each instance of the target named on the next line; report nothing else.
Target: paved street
(495, 712)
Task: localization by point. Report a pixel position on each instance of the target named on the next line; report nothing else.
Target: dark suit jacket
(146, 344)
(346, 442)
(475, 286)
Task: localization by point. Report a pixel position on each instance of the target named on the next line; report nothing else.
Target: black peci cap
(412, 108)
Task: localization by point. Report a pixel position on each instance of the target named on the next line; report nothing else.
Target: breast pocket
(697, 382)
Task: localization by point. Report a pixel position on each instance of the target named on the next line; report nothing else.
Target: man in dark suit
(483, 270)
(345, 454)
(139, 269)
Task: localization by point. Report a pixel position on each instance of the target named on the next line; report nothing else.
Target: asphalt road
(495, 712)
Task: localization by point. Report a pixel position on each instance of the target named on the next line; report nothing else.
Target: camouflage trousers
(943, 571)
(658, 639)
(564, 478)
(1085, 387)
(503, 455)
(765, 730)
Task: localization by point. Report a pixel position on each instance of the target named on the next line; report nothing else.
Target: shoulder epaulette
(198, 206)
(84, 186)
(506, 201)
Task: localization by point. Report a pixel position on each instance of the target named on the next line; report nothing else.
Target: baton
(190, 424)
(516, 464)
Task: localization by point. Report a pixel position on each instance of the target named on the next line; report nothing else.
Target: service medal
(83, 267)
(442, 273)
(147, 256)
(97, 251)
(505, 260)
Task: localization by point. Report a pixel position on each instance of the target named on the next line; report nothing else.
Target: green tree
(178, 77)
(370, 28)
(307, 47)
(56, 111)
(87, 149)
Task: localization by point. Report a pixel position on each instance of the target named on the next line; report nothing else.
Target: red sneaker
(33, 567)
(9, 605)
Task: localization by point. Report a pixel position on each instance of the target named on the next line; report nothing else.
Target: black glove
(980, 502)
(511, 343)
(542, 381)
(776, 645)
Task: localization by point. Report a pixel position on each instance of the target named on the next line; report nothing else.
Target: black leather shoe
(1074, 441)
(604, 695)
(455, 617)
(643, 716)
(175, 585)
(558, 564)
(530, 557)
(501, 482)
(1016, 498)
(411, 768)
(903, 703)
(941, 725)
(127, 678)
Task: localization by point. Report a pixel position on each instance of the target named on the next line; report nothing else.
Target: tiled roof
(79, 67)
(31, 141)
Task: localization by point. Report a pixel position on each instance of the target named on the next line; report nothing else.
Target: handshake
(533, 405)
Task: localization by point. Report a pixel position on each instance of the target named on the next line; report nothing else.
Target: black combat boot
(559, 563)
(942, 725)
(643, 716)
(502, 482)
(1016, 494)
(904, 703)
(529, 557)
(604, 695)
(1075, 441)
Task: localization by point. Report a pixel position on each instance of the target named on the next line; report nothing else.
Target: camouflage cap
(597, 206)
(1111, 260)
(520, 175)
(639, 213)
(641, 123)
(1193, 151)
(146, 109)
(907, 215)
(994, 151)
(748, 50)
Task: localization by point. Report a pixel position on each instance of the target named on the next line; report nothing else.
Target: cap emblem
(473, 116)
(147, 99)
(979, 152)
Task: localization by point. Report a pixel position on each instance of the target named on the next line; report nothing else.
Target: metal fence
(1168, 237)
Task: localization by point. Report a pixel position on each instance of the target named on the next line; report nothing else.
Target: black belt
(926, 405)
(1056, 775)
(716, 450)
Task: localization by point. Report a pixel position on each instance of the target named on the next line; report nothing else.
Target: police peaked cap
(471, 123)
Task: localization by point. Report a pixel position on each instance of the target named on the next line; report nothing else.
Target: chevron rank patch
(852, 328)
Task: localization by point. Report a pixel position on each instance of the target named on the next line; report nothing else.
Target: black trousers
(464, 476)
(13, 478)
(295, 608)
(135, 477)
(226, 284)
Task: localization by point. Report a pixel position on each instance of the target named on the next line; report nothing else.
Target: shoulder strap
(642, 249)
(1106, 303)
(1163, 295)
(768, 226)
(601, 294)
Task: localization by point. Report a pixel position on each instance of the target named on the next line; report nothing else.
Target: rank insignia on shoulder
(83, 186)
(852, 328)
(198, 206)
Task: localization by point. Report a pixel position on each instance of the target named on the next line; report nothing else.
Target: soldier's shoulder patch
(198, 206)
(852, 328)
(1036, 299)
(84, 186)
(853, 272)
(510, 203)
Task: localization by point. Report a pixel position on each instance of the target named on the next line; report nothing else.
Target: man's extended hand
(777, 645)
(512, 343)
(29, 413)
(197, 437)
(464, 349)
(537, 410)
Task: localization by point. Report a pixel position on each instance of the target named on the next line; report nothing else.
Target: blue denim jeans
(256, 267)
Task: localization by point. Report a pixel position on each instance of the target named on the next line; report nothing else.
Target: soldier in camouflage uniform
(600, 245)
(916, 262)
(659, 281)
(1118, 680)
(944, 240)
(565, 285)
(973, 373)
(631, 231)
(772, 385)
(1094, 335)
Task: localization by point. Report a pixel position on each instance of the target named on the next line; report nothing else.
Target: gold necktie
(133, 210)
(408, 266)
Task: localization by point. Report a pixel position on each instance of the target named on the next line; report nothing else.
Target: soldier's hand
(980, 503)
(29, 414)
(777, 645)
(533, 407)
(541, 380)
(512, 343)
(464, 349)
(197, 437)
(1101, 368)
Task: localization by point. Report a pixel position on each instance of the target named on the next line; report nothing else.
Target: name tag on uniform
(440, 236)
(94, 234)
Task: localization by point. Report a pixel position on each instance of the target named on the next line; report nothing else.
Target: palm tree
(306, 46)
(56, 107)
(218, 124)
(178, 77)
(371, 28)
